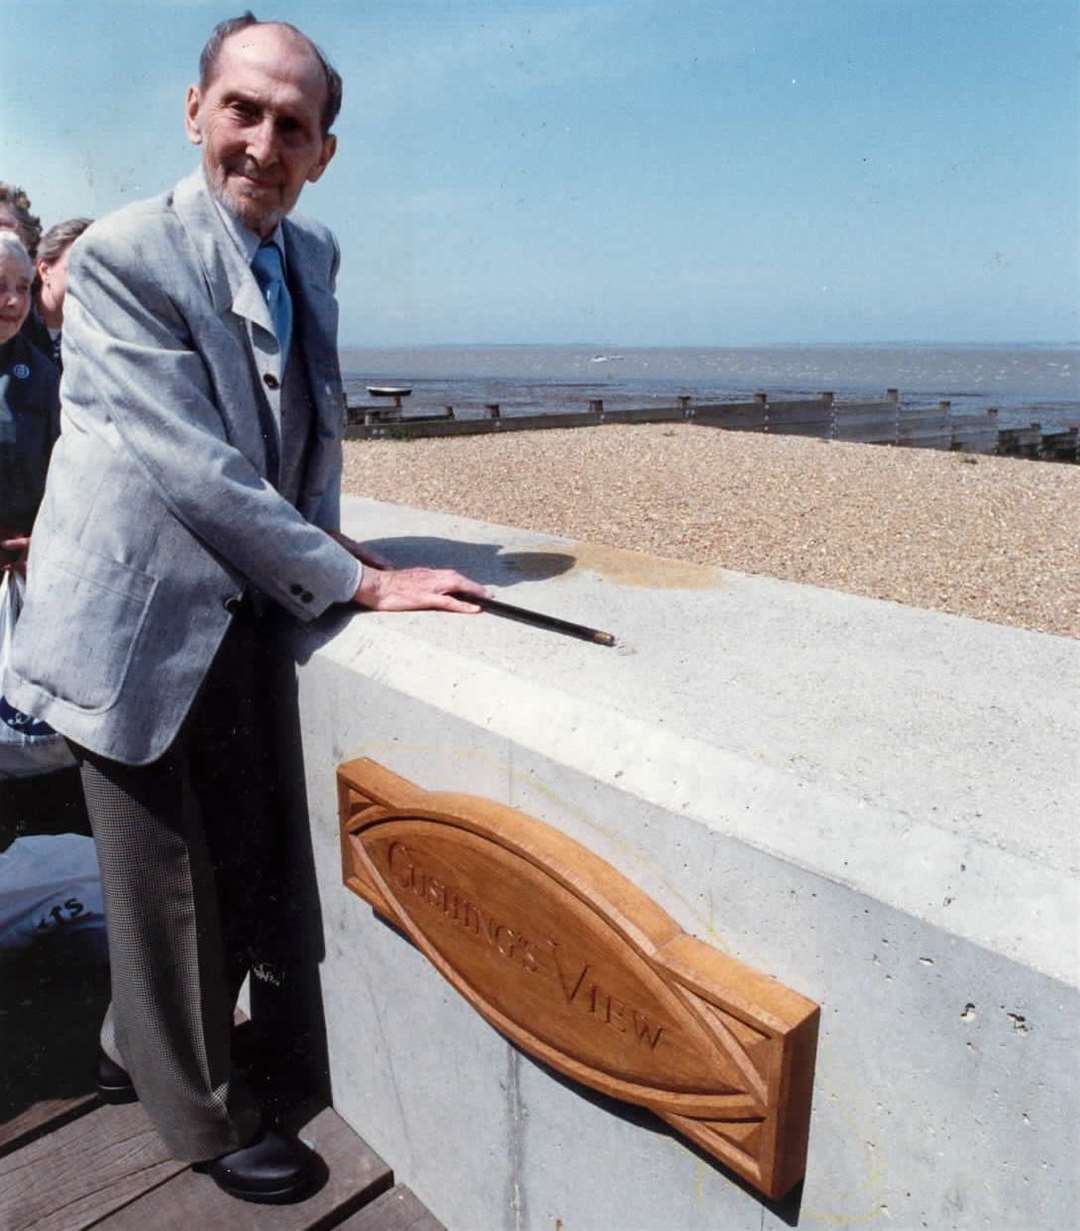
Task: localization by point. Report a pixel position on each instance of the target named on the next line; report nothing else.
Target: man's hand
(14, 553)
(367, 557)
(416, 589)
(385, 588)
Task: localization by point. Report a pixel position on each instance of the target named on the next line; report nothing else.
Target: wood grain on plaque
(581, 969)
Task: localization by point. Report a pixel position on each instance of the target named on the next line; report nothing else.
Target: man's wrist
(367, 592)
(357, 582)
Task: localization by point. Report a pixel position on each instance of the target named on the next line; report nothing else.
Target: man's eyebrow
(285, 112)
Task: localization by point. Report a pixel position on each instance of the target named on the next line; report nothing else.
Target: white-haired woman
(15, 216)
(29, 407)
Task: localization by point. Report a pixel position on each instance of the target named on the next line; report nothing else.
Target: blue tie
(270, 274)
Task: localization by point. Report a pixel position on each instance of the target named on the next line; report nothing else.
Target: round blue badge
(22, 723)
(20, 371)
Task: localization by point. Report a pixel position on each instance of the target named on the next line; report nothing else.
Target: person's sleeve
(350, 592)
(133, 372)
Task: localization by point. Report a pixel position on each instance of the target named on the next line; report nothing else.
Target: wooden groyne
(883, 421)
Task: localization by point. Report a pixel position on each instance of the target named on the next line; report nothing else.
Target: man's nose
(262, 141)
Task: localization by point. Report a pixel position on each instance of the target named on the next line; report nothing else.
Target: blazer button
(271, 381)
(232, 603)
(306, 597)
(296, 588)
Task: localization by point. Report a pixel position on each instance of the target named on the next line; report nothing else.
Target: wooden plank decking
(68, 1163)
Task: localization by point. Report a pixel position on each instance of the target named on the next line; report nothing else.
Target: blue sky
(636, 172)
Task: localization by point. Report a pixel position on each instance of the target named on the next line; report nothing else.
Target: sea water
(1026, 383)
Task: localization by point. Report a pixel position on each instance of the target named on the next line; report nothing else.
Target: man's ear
(191, 115)
(329, 149)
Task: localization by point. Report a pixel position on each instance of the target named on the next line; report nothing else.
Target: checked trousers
(190, 848)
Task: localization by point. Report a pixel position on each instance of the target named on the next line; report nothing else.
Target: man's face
(259, 123)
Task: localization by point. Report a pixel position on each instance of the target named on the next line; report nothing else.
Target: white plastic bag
(49, 886)
(26, 745)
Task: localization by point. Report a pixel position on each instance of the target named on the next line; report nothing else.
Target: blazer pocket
(84, 615)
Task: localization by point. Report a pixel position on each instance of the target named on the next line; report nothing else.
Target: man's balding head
(260, 118)
(208, 60)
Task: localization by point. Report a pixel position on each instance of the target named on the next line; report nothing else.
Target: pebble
(997, 540)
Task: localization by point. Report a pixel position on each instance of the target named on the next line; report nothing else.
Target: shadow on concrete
(486, 563)
(787, 1208)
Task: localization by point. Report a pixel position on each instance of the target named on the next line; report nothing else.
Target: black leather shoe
(113, 1083)
(273, 1170)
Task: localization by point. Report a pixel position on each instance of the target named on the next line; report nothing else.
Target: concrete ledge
(871, 803)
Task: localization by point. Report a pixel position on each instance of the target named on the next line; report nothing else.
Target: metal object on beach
(397, 392)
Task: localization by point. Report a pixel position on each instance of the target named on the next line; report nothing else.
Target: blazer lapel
(234, 294)
(312, 264)
(232, 284)
(238, 303)
(315, 309)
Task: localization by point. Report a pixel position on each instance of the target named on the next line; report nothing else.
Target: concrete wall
(874, 804)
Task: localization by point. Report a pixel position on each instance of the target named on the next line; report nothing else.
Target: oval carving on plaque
(581, 969)
(527, 947)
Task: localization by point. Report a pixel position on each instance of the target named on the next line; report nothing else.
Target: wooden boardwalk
(68, 1163)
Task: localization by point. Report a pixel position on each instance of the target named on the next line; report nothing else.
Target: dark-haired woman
(46, 318)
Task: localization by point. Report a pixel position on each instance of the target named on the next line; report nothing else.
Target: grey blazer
(158, 512)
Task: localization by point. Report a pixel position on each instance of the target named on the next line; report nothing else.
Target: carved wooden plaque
(581, 969)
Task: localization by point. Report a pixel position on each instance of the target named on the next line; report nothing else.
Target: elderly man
(194, 493)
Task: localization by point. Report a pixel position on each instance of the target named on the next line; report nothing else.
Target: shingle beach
(993, 538)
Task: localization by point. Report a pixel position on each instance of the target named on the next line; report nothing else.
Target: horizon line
(1040, 343)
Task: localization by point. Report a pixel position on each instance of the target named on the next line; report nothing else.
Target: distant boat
(389, 391)
(605, 358)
